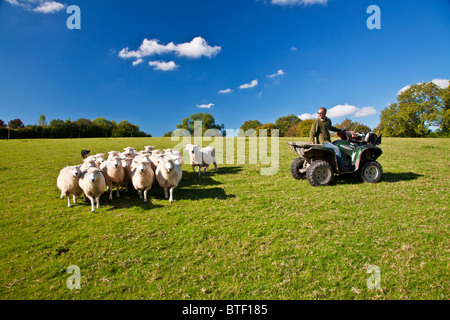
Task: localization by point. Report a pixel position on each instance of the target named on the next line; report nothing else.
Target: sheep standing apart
(67, 182)
(201, 157)
(113, 171)
(168, 174)
(92, 182)
(142, 177)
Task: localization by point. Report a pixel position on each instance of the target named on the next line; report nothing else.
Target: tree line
(418, 110)
(81, 128)
(292, 126)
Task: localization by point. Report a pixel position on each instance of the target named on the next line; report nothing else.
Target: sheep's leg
(199, 170)
(92, 203)
(165, 193)
(110, 192)
(118, 187)
(68, 200)
(145, 195)
(171, 195)
(98, 201)
(62, 195)
(193, 168)
(215, 166)
(74, 199)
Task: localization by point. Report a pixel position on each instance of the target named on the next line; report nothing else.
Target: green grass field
(234, 234)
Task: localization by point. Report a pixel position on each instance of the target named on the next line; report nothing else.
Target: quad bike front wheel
(296, 166)
(319, 173)
(371, 172)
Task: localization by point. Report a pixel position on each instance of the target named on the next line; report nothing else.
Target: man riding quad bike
(318, 163)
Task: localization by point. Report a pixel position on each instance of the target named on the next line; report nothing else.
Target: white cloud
(49, 7)
(293, 48)
(162, 65)
(138, 61)
(441, 83)
(197, 48)
(343, 110)
(225, 91)
(299, 2)
(305, 116)
(40, 6)
(277, 74)
(205, 106)
(251, 84)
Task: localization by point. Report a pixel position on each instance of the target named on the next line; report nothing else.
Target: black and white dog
(85, 153)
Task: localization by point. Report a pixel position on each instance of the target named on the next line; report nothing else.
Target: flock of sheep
(141, 169)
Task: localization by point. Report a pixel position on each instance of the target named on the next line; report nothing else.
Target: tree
(444, 128)
(208, 122)
(106, 127)
(304, 127)
(3, 124)
(349, 125)
(42, 122)
(125, 129)
(251, 124)
(292, 131)
(416, 110)
(268, 126)
(15, 124)
(283, 123)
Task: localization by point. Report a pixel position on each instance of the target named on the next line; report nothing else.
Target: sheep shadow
(202, 193)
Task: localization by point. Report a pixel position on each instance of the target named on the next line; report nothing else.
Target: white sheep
(113, 171)
(175, 155)
(132, 151)
(201, 157)
(88, 162)
(168, 174)
(149, 148)
(126, 164)
(99, 158)
(92, 182)
(67, 182)
(112, 154)
(142, 177)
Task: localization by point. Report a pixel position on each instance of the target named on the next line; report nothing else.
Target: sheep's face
(192, 148)
(125, 162)
(116, 162)
(75, 171)
(93, 174)
(168, 164)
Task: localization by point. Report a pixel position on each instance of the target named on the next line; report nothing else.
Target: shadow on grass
(390, 177)
(400, 176)
(200, 193)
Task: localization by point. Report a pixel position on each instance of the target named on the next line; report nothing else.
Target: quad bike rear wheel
(371, 172)
(319, 173)
(296, 166)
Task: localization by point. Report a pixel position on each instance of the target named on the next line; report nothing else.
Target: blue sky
(154, 63)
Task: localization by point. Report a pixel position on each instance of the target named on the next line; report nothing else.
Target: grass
(234, 234)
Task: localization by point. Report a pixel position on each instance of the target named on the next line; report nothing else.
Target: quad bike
(317, 163)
